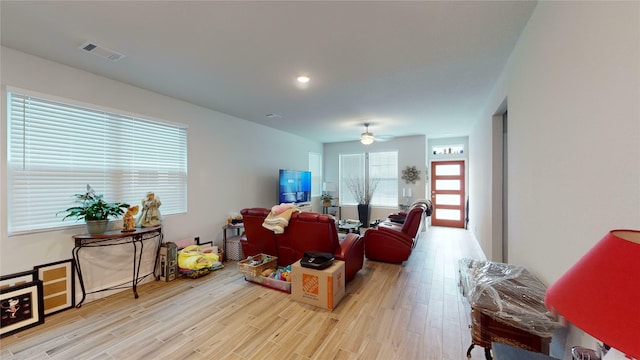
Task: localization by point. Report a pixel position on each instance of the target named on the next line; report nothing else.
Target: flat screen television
(294, 186)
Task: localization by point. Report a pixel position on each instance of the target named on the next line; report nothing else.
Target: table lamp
(600, 294)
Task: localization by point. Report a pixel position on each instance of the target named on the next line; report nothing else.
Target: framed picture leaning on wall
(58, 285)
(21, 306)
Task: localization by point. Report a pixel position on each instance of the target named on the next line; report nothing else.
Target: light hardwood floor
(391, 311)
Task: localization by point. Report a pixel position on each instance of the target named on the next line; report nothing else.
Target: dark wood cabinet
(486, 329)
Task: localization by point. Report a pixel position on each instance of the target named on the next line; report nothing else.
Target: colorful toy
(282, 274)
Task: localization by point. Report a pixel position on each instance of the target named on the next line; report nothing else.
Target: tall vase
(364, 213)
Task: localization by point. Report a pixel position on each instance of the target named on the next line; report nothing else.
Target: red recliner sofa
(263, 241)
(307, 231)
(393, 242)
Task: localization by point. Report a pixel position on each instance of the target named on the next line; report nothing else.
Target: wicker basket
(234, 249)
(268, 262)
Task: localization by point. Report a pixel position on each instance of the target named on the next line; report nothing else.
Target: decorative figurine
(129, 222)
(150, 215)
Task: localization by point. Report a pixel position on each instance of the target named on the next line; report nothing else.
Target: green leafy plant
(325, 197)
(92, 206)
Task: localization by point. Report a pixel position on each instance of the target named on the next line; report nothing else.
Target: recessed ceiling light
(303, 79)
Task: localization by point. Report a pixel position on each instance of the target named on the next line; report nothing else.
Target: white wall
(411, 152)
(573, 91)
(232, 163)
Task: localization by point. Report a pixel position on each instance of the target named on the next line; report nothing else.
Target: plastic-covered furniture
(507, 306)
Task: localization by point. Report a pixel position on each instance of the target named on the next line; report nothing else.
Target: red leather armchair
(262, 240)
(307, 231)
(392, 242)
(413, 222)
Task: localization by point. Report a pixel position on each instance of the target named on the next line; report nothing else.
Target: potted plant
(326, 199)
(362, 192)
(94, 211)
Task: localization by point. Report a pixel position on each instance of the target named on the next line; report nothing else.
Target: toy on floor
(193, 262)
(282, 274)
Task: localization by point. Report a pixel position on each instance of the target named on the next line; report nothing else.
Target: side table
(487, 330)
(334, 210)
(114, 238)
(225, 229)
(507, 306)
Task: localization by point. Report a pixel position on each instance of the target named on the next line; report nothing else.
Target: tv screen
(295, 186)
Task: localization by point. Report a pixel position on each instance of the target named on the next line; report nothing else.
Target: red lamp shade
(600, 294)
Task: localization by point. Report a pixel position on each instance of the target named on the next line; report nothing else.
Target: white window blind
(382, 166)
(56, 149)
(352, 167)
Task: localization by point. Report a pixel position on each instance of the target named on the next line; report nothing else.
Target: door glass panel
(447, 170)
(447, 185)
(447, 214)
(447, 199)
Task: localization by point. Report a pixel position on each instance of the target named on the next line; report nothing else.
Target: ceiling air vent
(101, 51)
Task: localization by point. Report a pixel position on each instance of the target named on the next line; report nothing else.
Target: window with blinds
(382, 166)
(55, 149)
(351, 168)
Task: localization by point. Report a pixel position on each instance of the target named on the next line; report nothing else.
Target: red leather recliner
(393, 223)
(413, 222)
(263, 240)
(307, 231)
(393, 243)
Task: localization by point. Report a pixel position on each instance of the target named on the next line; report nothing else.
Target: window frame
(388, 182)
(346, 198)
(162, 174)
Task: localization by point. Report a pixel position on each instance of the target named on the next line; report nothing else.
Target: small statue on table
(150, 215)
(128, 221)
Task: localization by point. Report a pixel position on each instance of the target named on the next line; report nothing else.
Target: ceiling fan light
(366, 138)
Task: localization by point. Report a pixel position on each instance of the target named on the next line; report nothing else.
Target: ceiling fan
(367, 138)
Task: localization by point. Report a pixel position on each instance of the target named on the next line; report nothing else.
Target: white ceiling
(408, 68)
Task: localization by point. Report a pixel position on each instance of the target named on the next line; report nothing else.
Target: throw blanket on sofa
(278, 218)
